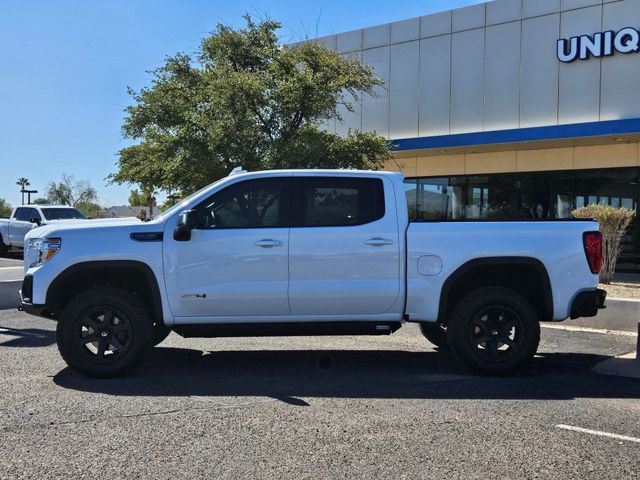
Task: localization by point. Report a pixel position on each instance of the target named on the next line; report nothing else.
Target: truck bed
(436, 249)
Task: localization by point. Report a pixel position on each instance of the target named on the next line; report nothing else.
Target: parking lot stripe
(599, 433)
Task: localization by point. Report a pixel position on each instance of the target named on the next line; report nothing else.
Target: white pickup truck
(316, 252)
(27, 217)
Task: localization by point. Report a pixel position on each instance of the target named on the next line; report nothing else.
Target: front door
(344, 252)
(236, 262)
(19, 226)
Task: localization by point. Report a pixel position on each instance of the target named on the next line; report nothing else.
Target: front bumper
(26, 295)
(587, 304)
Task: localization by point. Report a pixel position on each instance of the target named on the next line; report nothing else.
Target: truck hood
(122, 221)
(62, 226)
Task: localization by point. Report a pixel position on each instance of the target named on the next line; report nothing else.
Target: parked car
(27, 217)
(318, 252)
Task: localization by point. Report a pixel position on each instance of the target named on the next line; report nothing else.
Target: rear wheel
(494, 331)
(104, 331)
(436, 334)
(160, 332)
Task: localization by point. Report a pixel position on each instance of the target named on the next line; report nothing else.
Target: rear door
(344, 252)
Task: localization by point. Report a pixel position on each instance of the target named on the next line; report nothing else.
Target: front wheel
(104, 331)
(494, 331)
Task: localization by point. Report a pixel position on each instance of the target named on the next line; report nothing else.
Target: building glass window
(439, 199)
(544, 195)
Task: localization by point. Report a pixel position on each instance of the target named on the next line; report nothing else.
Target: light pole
(28, 192)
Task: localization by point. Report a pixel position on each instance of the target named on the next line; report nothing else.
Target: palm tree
(23, 182)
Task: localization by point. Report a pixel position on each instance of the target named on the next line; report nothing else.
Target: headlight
(40, 250)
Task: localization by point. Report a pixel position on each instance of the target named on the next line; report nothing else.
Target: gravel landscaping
(622, 290)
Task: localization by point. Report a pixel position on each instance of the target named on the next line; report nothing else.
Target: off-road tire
(436, 334)
(477, 331)
(160, 332)
(3, 248)
(128, 325)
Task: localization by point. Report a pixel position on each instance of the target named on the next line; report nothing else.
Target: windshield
(61, 213)
(183, 203)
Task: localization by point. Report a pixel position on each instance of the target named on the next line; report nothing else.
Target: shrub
(5, 208)
(614, 223)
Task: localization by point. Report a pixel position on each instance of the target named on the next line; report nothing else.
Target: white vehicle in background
(27, 217)
(308, 252)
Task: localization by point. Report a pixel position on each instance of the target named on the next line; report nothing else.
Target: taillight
(593, 249)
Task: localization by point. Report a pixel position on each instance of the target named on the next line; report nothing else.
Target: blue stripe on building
(555, 132)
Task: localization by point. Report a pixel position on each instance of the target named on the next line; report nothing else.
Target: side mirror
(35, 220)
(187, 221)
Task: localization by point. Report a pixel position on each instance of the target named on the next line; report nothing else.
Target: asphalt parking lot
(326, 407)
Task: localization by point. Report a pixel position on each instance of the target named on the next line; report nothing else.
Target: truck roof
(316, 171)
(46, 205)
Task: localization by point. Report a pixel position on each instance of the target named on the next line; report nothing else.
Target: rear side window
(337, 201)
(261, 203)
(22, 214)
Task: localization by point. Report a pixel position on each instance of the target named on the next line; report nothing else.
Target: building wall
(421, 164)
(492, 66)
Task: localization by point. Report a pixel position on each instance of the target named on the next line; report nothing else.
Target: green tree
(143, 198)
(137, 198)
(245, 100)
(40, 201)
(5, 208)
(171, 200)
(22, 183)
(89, 209)
(68, 191)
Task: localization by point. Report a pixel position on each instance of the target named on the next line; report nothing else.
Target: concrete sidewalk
(621, 314)
(627, 365)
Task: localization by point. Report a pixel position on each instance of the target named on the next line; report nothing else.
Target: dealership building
(508, 109)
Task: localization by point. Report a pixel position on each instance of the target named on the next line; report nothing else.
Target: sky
(65, 66)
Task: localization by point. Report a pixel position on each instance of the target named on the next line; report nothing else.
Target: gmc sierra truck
(316, 252)
(27, 217)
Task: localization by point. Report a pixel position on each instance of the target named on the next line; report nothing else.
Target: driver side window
(22, 215)
(257, 203)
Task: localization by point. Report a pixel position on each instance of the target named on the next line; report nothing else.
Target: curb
(621, 314)
(9, 297)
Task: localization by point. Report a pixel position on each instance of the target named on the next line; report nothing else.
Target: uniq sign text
(603, 44)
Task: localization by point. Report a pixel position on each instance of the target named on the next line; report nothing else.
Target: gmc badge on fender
(603, 44)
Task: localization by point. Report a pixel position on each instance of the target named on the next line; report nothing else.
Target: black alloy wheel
(104, 333)
(496, 333)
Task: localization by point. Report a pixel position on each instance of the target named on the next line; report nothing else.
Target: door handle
(268, 243)
(378, 242)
